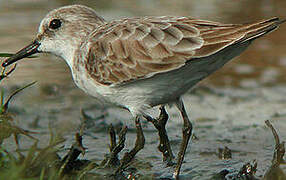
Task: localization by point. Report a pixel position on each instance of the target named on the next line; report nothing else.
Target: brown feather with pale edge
(128, 49)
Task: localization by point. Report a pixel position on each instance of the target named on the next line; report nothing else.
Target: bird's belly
(161, 88)
(90, 87)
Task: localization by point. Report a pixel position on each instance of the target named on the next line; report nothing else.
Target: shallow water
(228, 109)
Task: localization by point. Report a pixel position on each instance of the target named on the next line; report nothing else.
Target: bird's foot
(139, 144)
(115, 148)
(164, 145)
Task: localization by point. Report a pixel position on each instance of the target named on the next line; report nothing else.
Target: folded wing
(128, 49)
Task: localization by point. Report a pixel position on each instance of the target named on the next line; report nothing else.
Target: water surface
(228, 109)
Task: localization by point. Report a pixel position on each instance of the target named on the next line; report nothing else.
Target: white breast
(142, 94)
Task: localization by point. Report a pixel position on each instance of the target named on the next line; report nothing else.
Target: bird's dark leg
(164, 145)
(115, 147)
(187, 132)
(139, 144)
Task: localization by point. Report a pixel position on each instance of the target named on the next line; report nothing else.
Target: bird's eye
(55, 24)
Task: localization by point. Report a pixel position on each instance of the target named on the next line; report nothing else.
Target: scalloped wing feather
(129, 49)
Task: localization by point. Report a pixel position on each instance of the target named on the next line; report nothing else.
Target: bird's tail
(258, 29)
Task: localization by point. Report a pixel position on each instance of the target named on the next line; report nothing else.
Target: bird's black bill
(25, 52)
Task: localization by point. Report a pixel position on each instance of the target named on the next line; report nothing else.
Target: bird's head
(61, 32)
